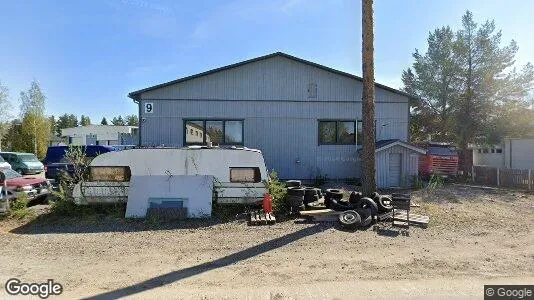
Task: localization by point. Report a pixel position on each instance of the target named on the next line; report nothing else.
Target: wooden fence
(511, 178)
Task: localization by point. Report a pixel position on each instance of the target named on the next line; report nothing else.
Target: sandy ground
(476, 237)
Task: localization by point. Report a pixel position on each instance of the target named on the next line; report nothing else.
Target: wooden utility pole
(368, 98)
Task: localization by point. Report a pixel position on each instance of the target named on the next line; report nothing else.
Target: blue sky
(87, 55)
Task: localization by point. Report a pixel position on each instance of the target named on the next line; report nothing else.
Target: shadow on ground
(178, 275)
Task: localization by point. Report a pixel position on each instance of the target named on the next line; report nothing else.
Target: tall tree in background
(66, 121)
(5, 115)
(53, 125)
(132, 120)
(104, 121)
(34, 134)
(368, 109)
(435, 83)
(84, 120)
(118, 121)
(469, 88)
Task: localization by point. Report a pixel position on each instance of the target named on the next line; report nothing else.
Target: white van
(240, 173)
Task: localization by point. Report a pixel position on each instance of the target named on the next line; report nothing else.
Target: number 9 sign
(149, 108)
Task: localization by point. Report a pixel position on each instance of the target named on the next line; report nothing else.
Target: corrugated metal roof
(135, 94)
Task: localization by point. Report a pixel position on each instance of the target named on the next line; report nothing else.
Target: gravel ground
(476, 237)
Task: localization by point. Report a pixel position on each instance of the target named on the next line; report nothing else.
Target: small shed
(396, 163)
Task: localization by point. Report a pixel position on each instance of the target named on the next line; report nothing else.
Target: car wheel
(350, 219)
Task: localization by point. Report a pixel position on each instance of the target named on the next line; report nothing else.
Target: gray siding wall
(277, 78)
(271, 96)
(409, 165)
(284, 131)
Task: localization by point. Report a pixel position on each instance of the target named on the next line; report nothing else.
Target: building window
(218, 132)
(498, 150)
(337, 132)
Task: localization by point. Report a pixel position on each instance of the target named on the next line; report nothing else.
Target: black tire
(327, 201)
(350, 219)
(355, 197)
(293, 183)
(370, 204)
(295, 191)
(295, 201)
(384, 204)
(340, 206)
(334, 194)
(365, 216)
(310, 195)
(375, 196)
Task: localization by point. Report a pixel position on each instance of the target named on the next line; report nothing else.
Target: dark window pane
(345, 133)
(214, 132)
(327, 132)
(233, 131)
(189, 136)
(359, 137)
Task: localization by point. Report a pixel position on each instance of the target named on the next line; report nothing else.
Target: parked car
(240, 173)
(23, 163)
(4, 164)
(16, 185)
(56, 164)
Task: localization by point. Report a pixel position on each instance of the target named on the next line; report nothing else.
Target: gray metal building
(303, 116)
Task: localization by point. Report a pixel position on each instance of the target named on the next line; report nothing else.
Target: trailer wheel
(350, 219)
(384, 204)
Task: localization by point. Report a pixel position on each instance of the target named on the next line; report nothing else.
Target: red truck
(440, 159)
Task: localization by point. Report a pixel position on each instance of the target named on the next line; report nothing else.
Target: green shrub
(19, 207)
(278, 192)
(435, 182)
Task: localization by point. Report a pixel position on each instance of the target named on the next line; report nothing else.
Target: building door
(395, 169)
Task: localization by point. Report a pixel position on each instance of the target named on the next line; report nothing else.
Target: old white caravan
(240, 173)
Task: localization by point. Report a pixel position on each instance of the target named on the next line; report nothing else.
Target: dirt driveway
(476, 237)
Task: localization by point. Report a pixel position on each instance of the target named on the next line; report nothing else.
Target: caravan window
(114, 174)
(245, 175)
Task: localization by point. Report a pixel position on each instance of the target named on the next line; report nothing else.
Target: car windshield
(1, 159)
(28, 157)
(10, 174)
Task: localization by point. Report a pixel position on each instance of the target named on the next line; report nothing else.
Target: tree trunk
(368, 98)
